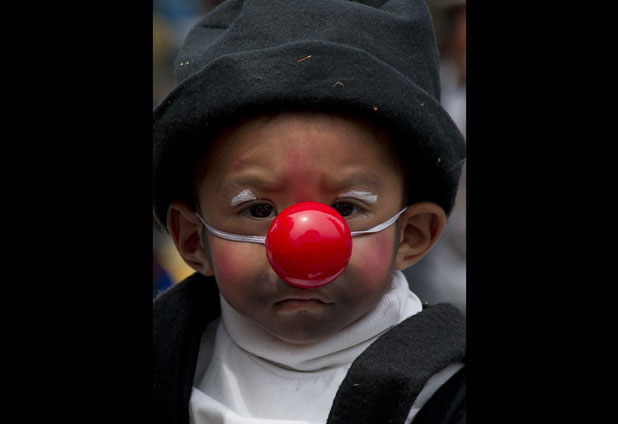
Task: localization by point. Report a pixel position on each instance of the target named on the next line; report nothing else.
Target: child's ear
(184, 227)
(421, 226)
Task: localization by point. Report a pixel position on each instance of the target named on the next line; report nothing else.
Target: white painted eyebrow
(243, 196)
(361, 195)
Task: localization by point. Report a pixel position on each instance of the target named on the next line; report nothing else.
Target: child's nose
(309, 245)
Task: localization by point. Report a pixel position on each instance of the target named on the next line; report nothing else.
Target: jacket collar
(180, 315)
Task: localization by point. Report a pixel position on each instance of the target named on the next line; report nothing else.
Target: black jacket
(380, 386)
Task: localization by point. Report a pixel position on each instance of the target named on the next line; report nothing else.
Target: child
(284, 107)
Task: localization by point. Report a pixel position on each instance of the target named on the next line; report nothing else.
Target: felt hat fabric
(374, 58)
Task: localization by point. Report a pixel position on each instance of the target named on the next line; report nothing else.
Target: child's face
(258, 168)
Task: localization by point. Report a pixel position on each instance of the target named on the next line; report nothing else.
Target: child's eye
(346, 208)
(261, 210)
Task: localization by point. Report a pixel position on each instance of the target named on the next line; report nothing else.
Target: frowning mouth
(303, 300)
(293, 305)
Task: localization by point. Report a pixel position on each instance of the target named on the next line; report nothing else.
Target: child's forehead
(295, 132)
(269, 150)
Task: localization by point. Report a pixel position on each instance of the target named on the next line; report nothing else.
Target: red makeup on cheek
(373, 254)
(226, 265)
(238, 264)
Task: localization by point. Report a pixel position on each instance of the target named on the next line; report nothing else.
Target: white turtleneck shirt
(245, 375)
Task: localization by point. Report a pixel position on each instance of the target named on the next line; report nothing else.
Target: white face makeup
(243, 196)
(360, 195)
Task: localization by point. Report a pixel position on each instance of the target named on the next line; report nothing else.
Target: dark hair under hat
(373, 58)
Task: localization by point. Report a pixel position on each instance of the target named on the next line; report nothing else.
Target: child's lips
(294, 304)
(307, 301)
(300, 300)
(306, 297)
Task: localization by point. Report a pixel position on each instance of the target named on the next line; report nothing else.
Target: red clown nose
(309, 245)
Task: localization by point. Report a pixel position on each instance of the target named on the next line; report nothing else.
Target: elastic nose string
(381, 226)
(262, 240)
(230, 236)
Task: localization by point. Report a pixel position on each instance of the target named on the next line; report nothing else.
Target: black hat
(369, 57)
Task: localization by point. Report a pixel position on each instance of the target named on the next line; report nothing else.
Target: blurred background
(441, 275)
